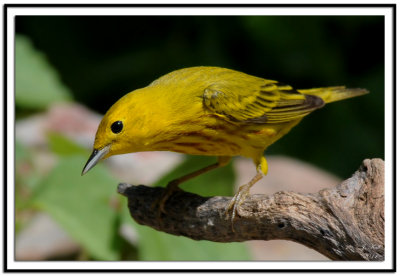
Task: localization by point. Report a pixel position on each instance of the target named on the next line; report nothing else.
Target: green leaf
(216, 182)
(82, 205)
(37, 84)
(159, 246)
(63, 146)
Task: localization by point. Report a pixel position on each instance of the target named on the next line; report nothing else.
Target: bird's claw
(231, 209)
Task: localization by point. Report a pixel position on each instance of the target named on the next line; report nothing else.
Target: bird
(211, 111)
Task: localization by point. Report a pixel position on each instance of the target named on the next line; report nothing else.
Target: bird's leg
(173, 185)
(243, 192)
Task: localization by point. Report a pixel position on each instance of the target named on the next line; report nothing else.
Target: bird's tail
(334, 93)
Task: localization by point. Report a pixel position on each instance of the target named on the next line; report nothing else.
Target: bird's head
(114, 134)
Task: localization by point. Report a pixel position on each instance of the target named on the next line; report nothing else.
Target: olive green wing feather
(260, 102)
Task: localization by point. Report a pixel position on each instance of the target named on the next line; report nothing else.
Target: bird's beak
(95, 157)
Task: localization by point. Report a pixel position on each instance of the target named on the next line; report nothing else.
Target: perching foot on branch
(343, 223)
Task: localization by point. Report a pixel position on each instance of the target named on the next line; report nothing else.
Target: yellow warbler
(208, 111)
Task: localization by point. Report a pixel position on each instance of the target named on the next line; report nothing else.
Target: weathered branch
(342, 223)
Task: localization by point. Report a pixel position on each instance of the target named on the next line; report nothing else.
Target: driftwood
(343, 223)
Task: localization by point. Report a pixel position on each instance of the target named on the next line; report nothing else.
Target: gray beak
(95, 157)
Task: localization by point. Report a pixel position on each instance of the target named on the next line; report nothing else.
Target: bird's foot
(231, 209)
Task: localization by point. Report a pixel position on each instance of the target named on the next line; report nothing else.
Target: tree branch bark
(342, 223)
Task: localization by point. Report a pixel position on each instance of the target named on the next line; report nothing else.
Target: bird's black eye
(116, 127)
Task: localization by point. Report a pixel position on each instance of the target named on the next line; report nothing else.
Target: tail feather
(334, 93)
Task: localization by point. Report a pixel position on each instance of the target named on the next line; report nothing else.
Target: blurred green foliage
(99, 59)
(37, 84)
(82, 206)
(161, 246)
(61, 145)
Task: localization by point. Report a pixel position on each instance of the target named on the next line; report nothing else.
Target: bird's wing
(264, 102)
